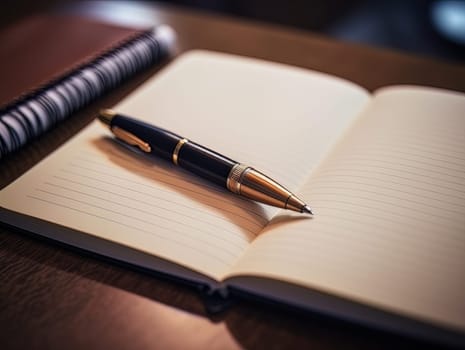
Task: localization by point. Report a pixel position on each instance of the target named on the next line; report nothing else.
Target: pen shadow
(166, 175)
(285, 219)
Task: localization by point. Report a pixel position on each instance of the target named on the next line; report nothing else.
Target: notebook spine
(39, 111)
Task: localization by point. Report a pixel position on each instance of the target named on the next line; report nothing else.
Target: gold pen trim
(178, 147)
(234, 180)
(131, 139)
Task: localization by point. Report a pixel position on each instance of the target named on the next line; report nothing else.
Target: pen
(210, 165)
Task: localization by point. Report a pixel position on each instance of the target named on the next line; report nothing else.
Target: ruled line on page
(179, 205)
(420, 158)
(396, 201)
(181, 211)
(437, 134)
(129, 185)
(347, 173)
(123, 201)
(124, 214)
(421, 150)
(397, 186)
(410, 167)
(151, 233)
(341, 217)
(436, 197)
(380, 170)
(296, 257)
(204, 189)
(129, 188)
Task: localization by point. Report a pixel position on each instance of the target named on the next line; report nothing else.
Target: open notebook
(385, 174)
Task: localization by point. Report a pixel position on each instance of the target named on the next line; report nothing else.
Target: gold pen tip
(106, 115)
(307, 209)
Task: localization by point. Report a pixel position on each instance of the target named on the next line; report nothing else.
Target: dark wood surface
(55, 297)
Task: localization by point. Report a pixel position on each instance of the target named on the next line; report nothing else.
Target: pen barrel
(205, 163)
(191, 156)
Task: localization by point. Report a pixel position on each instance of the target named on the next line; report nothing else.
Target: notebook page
(389, 228)
(96, 186)
(279, 119)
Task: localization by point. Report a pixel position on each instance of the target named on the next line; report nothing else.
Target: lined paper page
(389, 228)
(252, 111)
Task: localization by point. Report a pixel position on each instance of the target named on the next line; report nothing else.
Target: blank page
(253, 111)
(389, 229)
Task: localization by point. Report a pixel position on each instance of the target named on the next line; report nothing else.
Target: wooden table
(54, 297)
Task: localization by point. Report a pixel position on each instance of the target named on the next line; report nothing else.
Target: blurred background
(434, 28)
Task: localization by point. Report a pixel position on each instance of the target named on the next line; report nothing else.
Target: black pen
(236, 177)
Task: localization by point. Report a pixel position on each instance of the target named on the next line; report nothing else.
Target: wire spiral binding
(37, 112)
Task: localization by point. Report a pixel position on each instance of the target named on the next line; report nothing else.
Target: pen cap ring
(178, 147)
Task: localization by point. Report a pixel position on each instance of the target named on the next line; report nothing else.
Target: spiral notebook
(55, 65)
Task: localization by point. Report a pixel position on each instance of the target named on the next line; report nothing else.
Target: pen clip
(131, 139)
